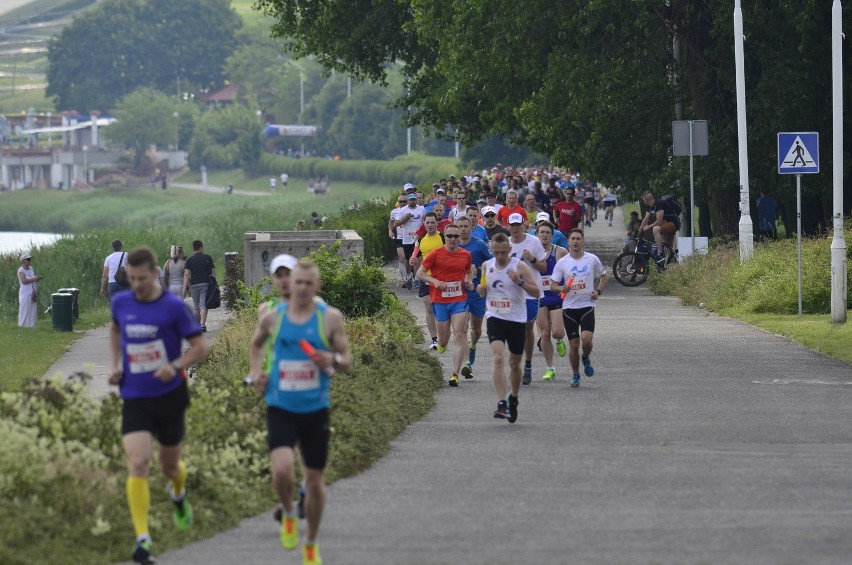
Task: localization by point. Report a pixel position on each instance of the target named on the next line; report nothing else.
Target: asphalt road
(699, 440)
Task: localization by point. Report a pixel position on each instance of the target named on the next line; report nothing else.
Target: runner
(447, 270)
(491, 226)
(511, 207)
(297, 396)
(549, 318)
(609, 201)
(395, 233)
(578, 308)
(478, 250)
(558, 237)
(409, 220)
(508, 283)
(429, 242)
(568, 213)
(529, 249)
(148, 325)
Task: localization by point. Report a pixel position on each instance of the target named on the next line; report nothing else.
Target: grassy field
(815, 331)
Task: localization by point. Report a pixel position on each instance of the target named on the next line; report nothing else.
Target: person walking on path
(296, 389)
(449, 271)
(549, 319)
(528, 248)
(112, 262)
(148, 326)
(27, 296)
(196, 276)
(574, 278)
(173, 272)
(506, 284)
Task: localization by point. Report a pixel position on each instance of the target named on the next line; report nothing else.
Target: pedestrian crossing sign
(798, 152)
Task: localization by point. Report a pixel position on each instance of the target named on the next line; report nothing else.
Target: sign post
(690, 138)
(798, 154)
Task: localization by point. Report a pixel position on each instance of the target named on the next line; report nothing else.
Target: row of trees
(594, 84)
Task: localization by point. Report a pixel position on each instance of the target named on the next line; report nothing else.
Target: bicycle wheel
(629, 270)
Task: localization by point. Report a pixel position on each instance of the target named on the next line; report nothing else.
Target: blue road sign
(798, 152)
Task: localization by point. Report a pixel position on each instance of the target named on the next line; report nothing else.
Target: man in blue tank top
(148, 325)
(310, 345)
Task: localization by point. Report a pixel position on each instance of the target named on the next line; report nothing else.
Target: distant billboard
(276, 130)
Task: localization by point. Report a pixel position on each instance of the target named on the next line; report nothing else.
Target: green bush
(766, 284)
(371, 222)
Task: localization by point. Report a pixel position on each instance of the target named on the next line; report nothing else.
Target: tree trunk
(724, 205)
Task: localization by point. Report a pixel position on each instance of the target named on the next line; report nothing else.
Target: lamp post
(86, 163)
(49, 134)
(176, 116)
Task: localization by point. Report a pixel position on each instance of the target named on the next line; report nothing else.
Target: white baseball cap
(408, 186)
(283, 260)
(515, 219)
(542, 217)
(488, 210)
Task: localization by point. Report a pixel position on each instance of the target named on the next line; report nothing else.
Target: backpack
(214, 297)
(121, 274)
(673, 203)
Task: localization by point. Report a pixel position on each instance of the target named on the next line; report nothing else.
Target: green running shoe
(290, 532)
(548, 375)
(466, 370)
(561, 348)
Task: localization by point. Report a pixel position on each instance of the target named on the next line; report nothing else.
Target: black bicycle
(631, 268)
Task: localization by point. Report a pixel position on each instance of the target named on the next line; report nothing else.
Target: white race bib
(545, 282)
(453, 289)
(579, 286)
(500, 304)
(298, 376)
(412, 234)
(146, 357)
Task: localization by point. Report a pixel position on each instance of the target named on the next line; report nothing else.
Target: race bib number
(294, 376)
(500, 304)
(579, 286)
(412, 234)
(453, 290)
(545, 281)
(146, 357)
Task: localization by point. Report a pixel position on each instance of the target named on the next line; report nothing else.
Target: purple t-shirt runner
(151, 336)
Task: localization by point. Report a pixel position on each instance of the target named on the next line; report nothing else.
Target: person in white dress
(27, 304)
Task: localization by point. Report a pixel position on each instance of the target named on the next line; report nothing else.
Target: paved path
(217, 189)
(90, 354)
(699, 440)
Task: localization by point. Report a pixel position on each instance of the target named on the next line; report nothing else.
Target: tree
(144, 117)
(227, 138)
(122, 45)
(586, 82)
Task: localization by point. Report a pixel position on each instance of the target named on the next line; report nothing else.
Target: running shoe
(441, 348)
(409, 284)
(434, 344)
(300, 505)
(278, 513)
(527, 378)
(454, 380)
(587, 367)
(203, 328)
(290, 532)
(181, 510)
(538, 344)
(466, 370)
(403, 284)
(501, 410)
(416, 283)
(561, 348)
(471, 355)
(575, 382)
(548, 375)
(143, 552)
(512, 414)
(310, 554)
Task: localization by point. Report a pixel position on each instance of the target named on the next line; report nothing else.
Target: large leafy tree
(122, 45)
(594, 83)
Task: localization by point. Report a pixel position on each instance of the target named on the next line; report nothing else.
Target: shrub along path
(699, 439)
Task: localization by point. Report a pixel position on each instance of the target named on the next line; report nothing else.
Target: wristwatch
(599, 291)
(521, 282)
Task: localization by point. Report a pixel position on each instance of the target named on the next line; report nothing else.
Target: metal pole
(691, 188)
(348, 87)
(838, 242)
(746, 227)
(799, 235)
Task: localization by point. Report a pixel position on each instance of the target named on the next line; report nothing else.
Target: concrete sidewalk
(700, 439)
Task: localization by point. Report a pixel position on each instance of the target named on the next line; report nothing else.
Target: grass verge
(815, 331)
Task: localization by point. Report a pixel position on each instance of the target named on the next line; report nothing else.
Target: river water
(18, 242)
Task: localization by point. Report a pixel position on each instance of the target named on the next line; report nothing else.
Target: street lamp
(176, 116)
(86, 163)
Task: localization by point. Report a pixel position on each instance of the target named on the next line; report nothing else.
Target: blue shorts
(443, 312)
(476, 304)
(532, 309)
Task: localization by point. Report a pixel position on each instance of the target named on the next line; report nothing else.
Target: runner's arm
(340, 357)
(256, 350)
(526, 275)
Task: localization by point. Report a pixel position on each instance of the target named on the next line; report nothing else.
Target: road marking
(800, 382)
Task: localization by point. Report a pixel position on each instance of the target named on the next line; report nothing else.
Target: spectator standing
(27, 298)
(196, 276)
(767, 213)
(111, 264)
(284, 179)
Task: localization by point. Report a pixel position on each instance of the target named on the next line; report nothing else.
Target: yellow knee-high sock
(138, 499)
(180, 481)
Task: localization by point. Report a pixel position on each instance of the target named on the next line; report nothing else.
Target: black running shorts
(162, 416)
(577, 320)
(513, 333)
(408, 250)
(310, 431)
(424, 289)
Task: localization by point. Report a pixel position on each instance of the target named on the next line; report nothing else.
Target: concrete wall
(259, 248)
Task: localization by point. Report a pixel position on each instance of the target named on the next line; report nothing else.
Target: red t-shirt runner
(504, 213)
(450, 267)
(570, 215)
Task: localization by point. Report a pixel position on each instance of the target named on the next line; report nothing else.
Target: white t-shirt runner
(536, 249)
(409, 228)
(395, 216)
(583, 270)
(504, 298)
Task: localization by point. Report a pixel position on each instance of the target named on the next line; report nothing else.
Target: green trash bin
(61, 308)
(75, 301)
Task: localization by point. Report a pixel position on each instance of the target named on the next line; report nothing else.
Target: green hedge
(371, 223)
(420, 170)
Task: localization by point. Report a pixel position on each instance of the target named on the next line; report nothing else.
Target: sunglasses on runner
(452, 235)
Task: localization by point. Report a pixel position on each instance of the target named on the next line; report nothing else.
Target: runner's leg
(543, 322)
(459, 328)
(498, 371)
